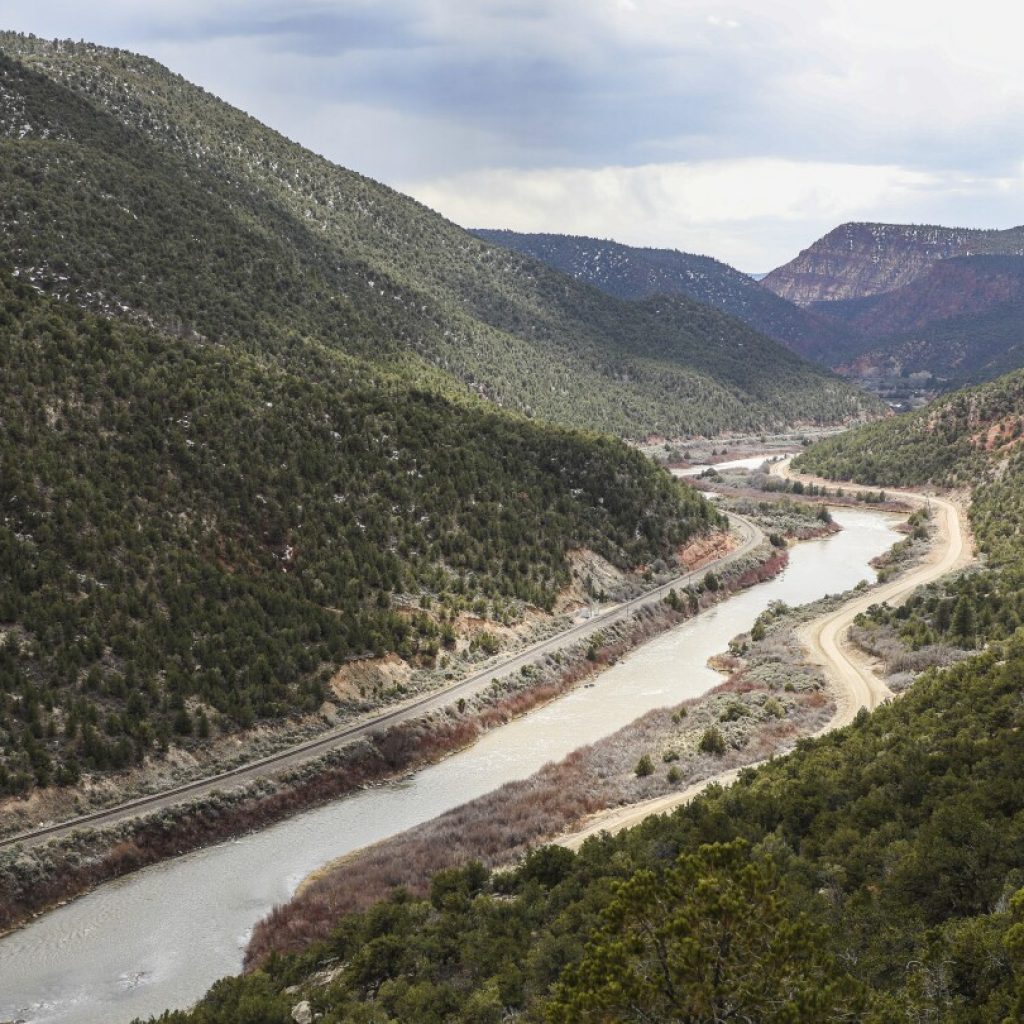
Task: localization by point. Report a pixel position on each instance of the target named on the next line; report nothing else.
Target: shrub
(486, 642)
(712, 742)
(733, 713)
(644, 767)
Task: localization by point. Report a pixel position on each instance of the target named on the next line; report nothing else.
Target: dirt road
(849, 671)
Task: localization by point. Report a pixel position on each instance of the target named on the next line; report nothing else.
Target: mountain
(194, 539)
(228, 466)
(961, 321)
(128, 190)
(940, 306)
(958, 286)
(857, 260)
(635, 273)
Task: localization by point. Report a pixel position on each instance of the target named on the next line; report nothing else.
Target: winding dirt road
(826, 639)
(850, 672)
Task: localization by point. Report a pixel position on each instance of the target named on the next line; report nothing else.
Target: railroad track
(293, 756)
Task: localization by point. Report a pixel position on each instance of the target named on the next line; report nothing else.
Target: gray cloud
(315, 30)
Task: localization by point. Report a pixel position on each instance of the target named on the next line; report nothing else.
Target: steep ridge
(962, 321)
(189, 215)
(857, 260)
(635, 273)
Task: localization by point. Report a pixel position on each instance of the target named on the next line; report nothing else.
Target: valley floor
(851, 673)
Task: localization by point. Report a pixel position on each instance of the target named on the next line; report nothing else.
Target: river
(753, 462)
(159, 938)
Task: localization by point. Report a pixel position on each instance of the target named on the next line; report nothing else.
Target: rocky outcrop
(858, 260)
(369, 678)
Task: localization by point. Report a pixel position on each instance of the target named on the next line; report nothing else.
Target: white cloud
(752, 213)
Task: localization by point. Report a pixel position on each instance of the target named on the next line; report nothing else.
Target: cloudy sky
(743, 130)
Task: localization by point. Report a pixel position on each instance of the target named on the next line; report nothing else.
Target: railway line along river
(159, 938)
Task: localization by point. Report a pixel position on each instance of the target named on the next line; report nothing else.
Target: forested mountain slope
(961, 439)
(635, 273)
(193, 538)
(126, 188)
(239, 448)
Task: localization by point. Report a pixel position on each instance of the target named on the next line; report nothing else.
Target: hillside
(193, 540)
(125, 188)
(957, 440)
(961, 321)
(858, 260)
(635, 273)
(264, 417)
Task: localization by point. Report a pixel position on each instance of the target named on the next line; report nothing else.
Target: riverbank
(852, 672)
(771, 698)
(34, 881)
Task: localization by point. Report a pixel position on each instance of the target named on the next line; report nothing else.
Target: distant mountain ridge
(630, 272)
(941, 304)
(951, 319)
(958, 286)
(856, 260)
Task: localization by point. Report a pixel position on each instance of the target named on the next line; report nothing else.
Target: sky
(744, 130)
